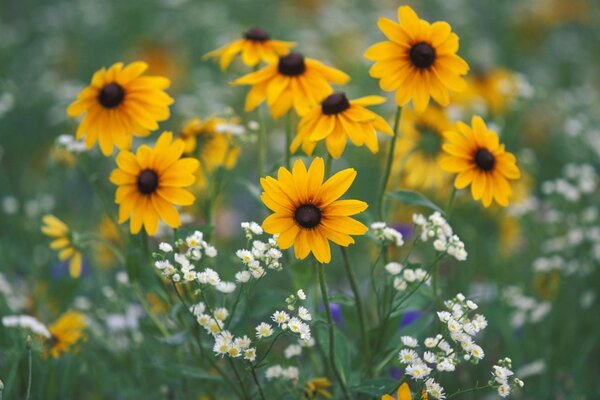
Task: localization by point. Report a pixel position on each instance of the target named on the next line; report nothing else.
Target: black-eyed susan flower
(339, 119)
(151, 182)
(65, 333)
(306, 211)
(476, 155)
(419, 148)
(316, 388)
(63, 243)
(492, 91)
(293, 81)
(120, 103)
(254, 47)
(418, 61)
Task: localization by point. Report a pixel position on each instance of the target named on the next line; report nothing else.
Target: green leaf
(412, 198)
(375, 387)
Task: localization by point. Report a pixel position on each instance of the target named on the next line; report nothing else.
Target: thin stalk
(29, 368)
(239, 378)
(450, 203)
(359, 307)
(388, 166)
(288, 138)
(258, 363)
(469, 390)
(260, 391)
(235, 304)
(336, 372)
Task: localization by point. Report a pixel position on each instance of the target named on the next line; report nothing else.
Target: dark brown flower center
(111, 95)
(422, 55)
(484, 159)
(335, 103)
(147, 181)
(308, 216)
(256, 34)
(291, 65)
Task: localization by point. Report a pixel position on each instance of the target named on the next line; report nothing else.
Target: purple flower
(60, 269)
(407, 230)
(396, 373)
(336, 312)
(409, 317)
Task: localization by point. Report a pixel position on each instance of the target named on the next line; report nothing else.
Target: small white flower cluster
(294, 323)
(228, 345)
(439, 355)
(579, 180)
(277, 371)
(463, 327)
(386, 234)
(26, 322)
(69, 143)
(403, 276)
(183, 269)
(261, 257)
(528, 309)
(501, 376)
(436, 227)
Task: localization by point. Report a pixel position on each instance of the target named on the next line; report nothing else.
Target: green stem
(388, 166)
(359, 307)
(288, 139)
(262, 142)
(260, 391)
(332, 357)
(450, 203)
(239, 378)
(29, 368)
(258, 363)
(468, 390)
(235, 304)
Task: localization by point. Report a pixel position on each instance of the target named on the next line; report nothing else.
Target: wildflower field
(309, 199)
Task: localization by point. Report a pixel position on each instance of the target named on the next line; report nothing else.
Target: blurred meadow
(533, 267)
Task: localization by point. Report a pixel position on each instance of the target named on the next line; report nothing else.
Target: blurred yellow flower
(255, 46)
(418, 61)
(419, 149)
(59, 231)
(108, 231)
(66, 332)
(475, 153)
(510, 236)
(118, 104)
(495, 89)
(339, 119)
(307, 212)
(212, 141)
(404, 394)
(294, 81)
(316, 388)
(151, 182)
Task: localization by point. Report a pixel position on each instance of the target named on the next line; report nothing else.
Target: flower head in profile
(316, 388)
(293, 81)
(306, 211)
(63, 243)
(339, 119)
(419, 148)
(476, 155)
(418, 61)
(151, 182)
(118, 104)
(404, 394)
(66, 332)
(255, 46)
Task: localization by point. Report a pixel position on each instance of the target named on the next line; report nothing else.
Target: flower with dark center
(335, 103)
(478, 158)
(308, 215)
(484, 159)
(418, 61)
(291, 65)
(147, 181)
(257, 34)
(307, 212)
(111, 95)
(422, 55)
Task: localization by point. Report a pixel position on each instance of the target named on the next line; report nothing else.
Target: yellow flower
(109, 232)
(476, 154)
(120, 103)
(256, 46)
(216, 148)
(419, 61)
(292, 81)
(307, 212)
(404, 394)
(317, 387)
(66, 332)
(59, 231)
(151, 182)
(496, 88)
(419, 148)
(338, 119)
